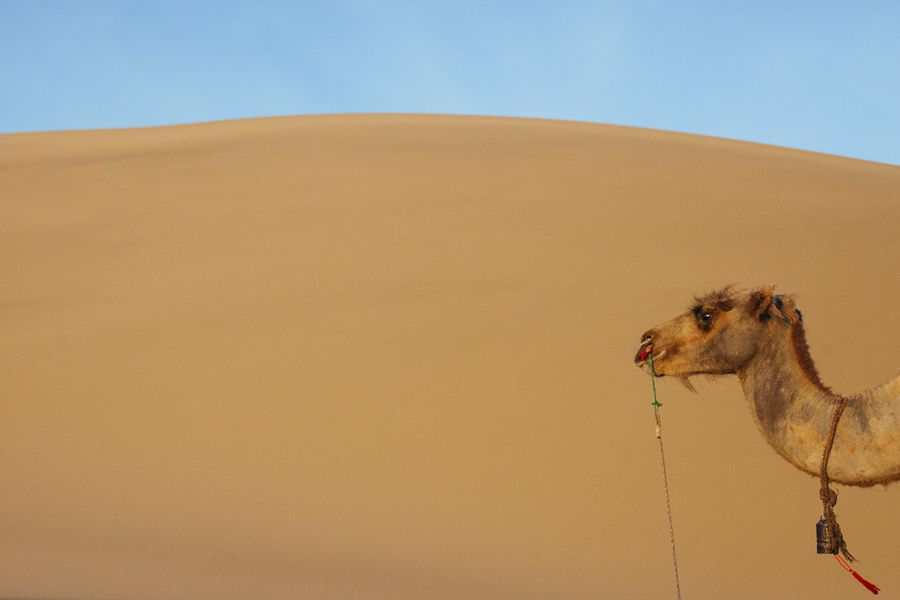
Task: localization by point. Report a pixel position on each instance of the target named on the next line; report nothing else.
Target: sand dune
(390, 357)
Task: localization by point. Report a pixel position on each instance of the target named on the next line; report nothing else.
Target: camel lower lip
(646, 359)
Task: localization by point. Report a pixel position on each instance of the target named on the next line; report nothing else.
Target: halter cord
(648, 354)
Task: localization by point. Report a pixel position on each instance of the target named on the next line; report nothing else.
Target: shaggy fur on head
(721, 299)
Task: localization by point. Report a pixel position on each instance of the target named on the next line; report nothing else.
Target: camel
(759, 336)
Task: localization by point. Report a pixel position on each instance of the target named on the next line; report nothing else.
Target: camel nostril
(646, 338)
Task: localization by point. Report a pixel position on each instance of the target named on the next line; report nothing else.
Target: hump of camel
(759, 336)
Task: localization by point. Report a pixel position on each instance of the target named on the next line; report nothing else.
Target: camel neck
(791, 407)
(793, 411)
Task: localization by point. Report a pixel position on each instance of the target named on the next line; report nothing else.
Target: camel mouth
(645, 356)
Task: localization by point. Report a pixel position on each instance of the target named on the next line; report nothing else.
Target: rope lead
(656, 404)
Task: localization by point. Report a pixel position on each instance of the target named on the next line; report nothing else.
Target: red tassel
(869, 585)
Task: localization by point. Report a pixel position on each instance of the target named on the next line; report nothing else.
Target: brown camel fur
(759, 336)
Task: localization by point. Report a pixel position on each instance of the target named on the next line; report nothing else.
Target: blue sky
(817, 75)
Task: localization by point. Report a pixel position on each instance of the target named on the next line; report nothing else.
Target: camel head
(718, 335)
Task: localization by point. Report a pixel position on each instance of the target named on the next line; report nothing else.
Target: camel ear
(765, 304)
(787, 310)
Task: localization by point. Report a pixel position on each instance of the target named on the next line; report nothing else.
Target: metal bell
(825, 542)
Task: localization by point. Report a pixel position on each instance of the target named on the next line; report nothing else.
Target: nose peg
(646, 348)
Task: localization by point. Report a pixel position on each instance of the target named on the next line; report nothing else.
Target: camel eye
(704, 319)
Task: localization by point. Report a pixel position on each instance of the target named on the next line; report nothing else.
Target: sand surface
(390, 357)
